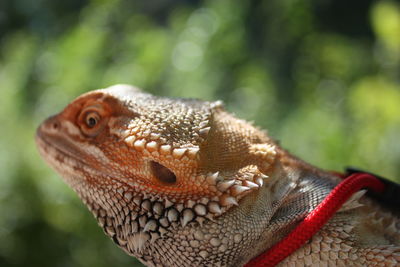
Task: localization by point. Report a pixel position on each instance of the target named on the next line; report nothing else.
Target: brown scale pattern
(232, 192)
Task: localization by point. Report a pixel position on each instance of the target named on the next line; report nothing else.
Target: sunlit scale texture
(207, 199)
(321, 76)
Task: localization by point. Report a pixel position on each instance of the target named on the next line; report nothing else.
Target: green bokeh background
(322, 76)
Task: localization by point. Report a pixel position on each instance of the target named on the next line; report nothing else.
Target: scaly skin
(178, 182)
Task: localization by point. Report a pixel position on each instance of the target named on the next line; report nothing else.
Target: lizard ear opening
(162, 173)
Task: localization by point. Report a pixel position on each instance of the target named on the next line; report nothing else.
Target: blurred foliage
(322, 76)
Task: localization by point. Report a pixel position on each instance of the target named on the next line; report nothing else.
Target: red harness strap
(316, 219)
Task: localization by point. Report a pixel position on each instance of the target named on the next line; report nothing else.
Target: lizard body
(182, 182)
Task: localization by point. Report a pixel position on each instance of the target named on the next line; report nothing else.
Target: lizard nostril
(55, 125)
(162, 173)
(51, 125)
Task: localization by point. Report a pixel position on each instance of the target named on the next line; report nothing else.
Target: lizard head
(153, 163)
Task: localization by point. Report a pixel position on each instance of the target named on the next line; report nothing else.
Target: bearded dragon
(182, 182)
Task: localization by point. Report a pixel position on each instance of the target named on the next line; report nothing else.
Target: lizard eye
(92, 119)
(91, 122)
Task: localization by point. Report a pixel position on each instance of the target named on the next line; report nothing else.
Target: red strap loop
(316, 219)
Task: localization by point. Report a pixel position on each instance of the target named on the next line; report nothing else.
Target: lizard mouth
(61, 155)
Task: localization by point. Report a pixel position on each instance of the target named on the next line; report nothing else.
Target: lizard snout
(49, 126)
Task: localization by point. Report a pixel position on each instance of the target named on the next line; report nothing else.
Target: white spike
(249, 184)
(192, 152)
(168, 203)
(146, 205)
(238, 189)
(179, 207)
(139, 144)
(178, 152)
(227, 200)
(214, 207)
(173, 215)
(165, 149)
(203, 132)
(155, 136)
(212, 178)
(203, 124)
(135, 130)
(187, 216)
(225, 185)
(158, 208)
(152, 146)
(130, 140)
(200, 209)
(259, 181)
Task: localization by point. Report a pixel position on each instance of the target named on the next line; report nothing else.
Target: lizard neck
(295, 189)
